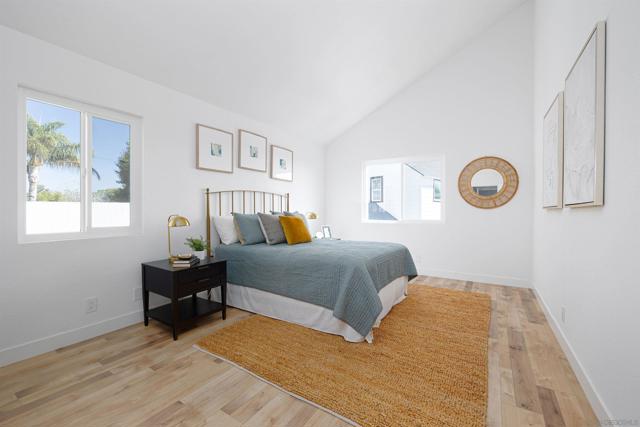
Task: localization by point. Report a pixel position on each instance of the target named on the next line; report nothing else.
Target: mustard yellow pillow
(295, 230)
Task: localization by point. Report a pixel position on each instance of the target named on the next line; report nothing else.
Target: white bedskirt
(306, 314)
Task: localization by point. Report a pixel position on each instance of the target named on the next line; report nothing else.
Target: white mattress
(306, 314)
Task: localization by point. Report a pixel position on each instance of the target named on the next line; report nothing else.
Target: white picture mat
(552, 154)
(584, 125)
(281, 163)
(207, 138)
(259, 144)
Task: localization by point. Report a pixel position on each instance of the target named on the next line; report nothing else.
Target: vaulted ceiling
(311, 67)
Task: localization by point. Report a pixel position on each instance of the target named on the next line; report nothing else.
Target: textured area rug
(427, 365)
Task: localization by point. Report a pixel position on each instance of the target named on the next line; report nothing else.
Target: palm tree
(47, 146)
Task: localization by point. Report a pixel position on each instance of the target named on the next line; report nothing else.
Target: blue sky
(109, 141)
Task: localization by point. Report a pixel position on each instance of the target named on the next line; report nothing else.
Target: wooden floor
(139, 376)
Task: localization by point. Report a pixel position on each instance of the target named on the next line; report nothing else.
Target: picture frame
(252, 151)
(584, 122)
(376, 189)
(214, 149)
(281, 163)
(552, 154)
(326, 232)
(437, 190)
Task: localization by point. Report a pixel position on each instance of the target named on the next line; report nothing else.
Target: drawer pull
(204, 280)
(204, 267)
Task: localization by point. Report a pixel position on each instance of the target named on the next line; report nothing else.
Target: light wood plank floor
(139, 376)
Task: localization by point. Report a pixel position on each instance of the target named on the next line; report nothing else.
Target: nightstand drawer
(196, 273)
(191, 288)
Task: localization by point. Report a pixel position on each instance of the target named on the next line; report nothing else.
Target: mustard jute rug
(427, 365)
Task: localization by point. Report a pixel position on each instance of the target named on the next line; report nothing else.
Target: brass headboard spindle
(285, 201)
(208, 227)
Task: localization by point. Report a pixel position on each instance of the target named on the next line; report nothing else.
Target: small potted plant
(199, 246)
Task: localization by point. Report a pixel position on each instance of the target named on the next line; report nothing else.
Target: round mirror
(488, 182)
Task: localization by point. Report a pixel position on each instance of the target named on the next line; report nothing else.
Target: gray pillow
(248, 227)
(271, 228)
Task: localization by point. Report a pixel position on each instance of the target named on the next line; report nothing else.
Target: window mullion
(86, 172)
(401, 191)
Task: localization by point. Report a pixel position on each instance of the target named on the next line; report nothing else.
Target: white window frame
(87, 112)
(365, 196)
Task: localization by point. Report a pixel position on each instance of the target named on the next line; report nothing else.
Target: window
(376, 189)
(80, 174)
(403, 190)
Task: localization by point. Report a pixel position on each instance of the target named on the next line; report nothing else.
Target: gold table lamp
(175, 221)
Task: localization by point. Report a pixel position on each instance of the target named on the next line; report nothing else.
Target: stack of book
(185, 263)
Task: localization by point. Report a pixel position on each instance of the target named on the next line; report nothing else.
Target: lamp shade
(177, 221)
(312, 215)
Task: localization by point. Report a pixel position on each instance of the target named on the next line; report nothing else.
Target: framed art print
(584, 120)
(281, 163)
(214, 149)
(552, 153)
(252, 152)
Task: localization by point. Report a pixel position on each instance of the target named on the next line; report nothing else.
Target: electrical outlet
(563, 313)
(91, 305)
(137, 294)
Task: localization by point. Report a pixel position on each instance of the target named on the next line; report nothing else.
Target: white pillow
(226, 229)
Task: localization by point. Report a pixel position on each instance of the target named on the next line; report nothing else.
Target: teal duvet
(341, 275)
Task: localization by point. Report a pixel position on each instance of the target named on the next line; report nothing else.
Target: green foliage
(121, 194)
(50, 196)
(197, 244)
(46, 145)
(107, 195)
(123, 170)
(46, 195)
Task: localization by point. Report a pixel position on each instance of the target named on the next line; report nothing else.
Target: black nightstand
(161, 278)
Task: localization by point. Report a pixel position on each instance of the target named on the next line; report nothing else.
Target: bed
(335, 286)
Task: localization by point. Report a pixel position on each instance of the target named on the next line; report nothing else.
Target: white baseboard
(480, 278)
(42, 345)
(601, 410)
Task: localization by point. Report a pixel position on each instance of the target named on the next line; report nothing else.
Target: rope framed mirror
(488, 182)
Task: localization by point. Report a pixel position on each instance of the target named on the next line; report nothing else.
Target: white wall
(43, 286)
(586, 259)
(476, 103)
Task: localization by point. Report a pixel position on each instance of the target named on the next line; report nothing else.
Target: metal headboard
(276, 201)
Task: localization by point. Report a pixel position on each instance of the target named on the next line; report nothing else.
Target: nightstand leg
(145, 299)
(223, 297)
(145, 304)
(175, 316)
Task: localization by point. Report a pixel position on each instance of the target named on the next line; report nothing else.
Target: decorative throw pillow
(248, 227)
(226, 229)
(294, 230)
(299, 214)
(271, 228)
